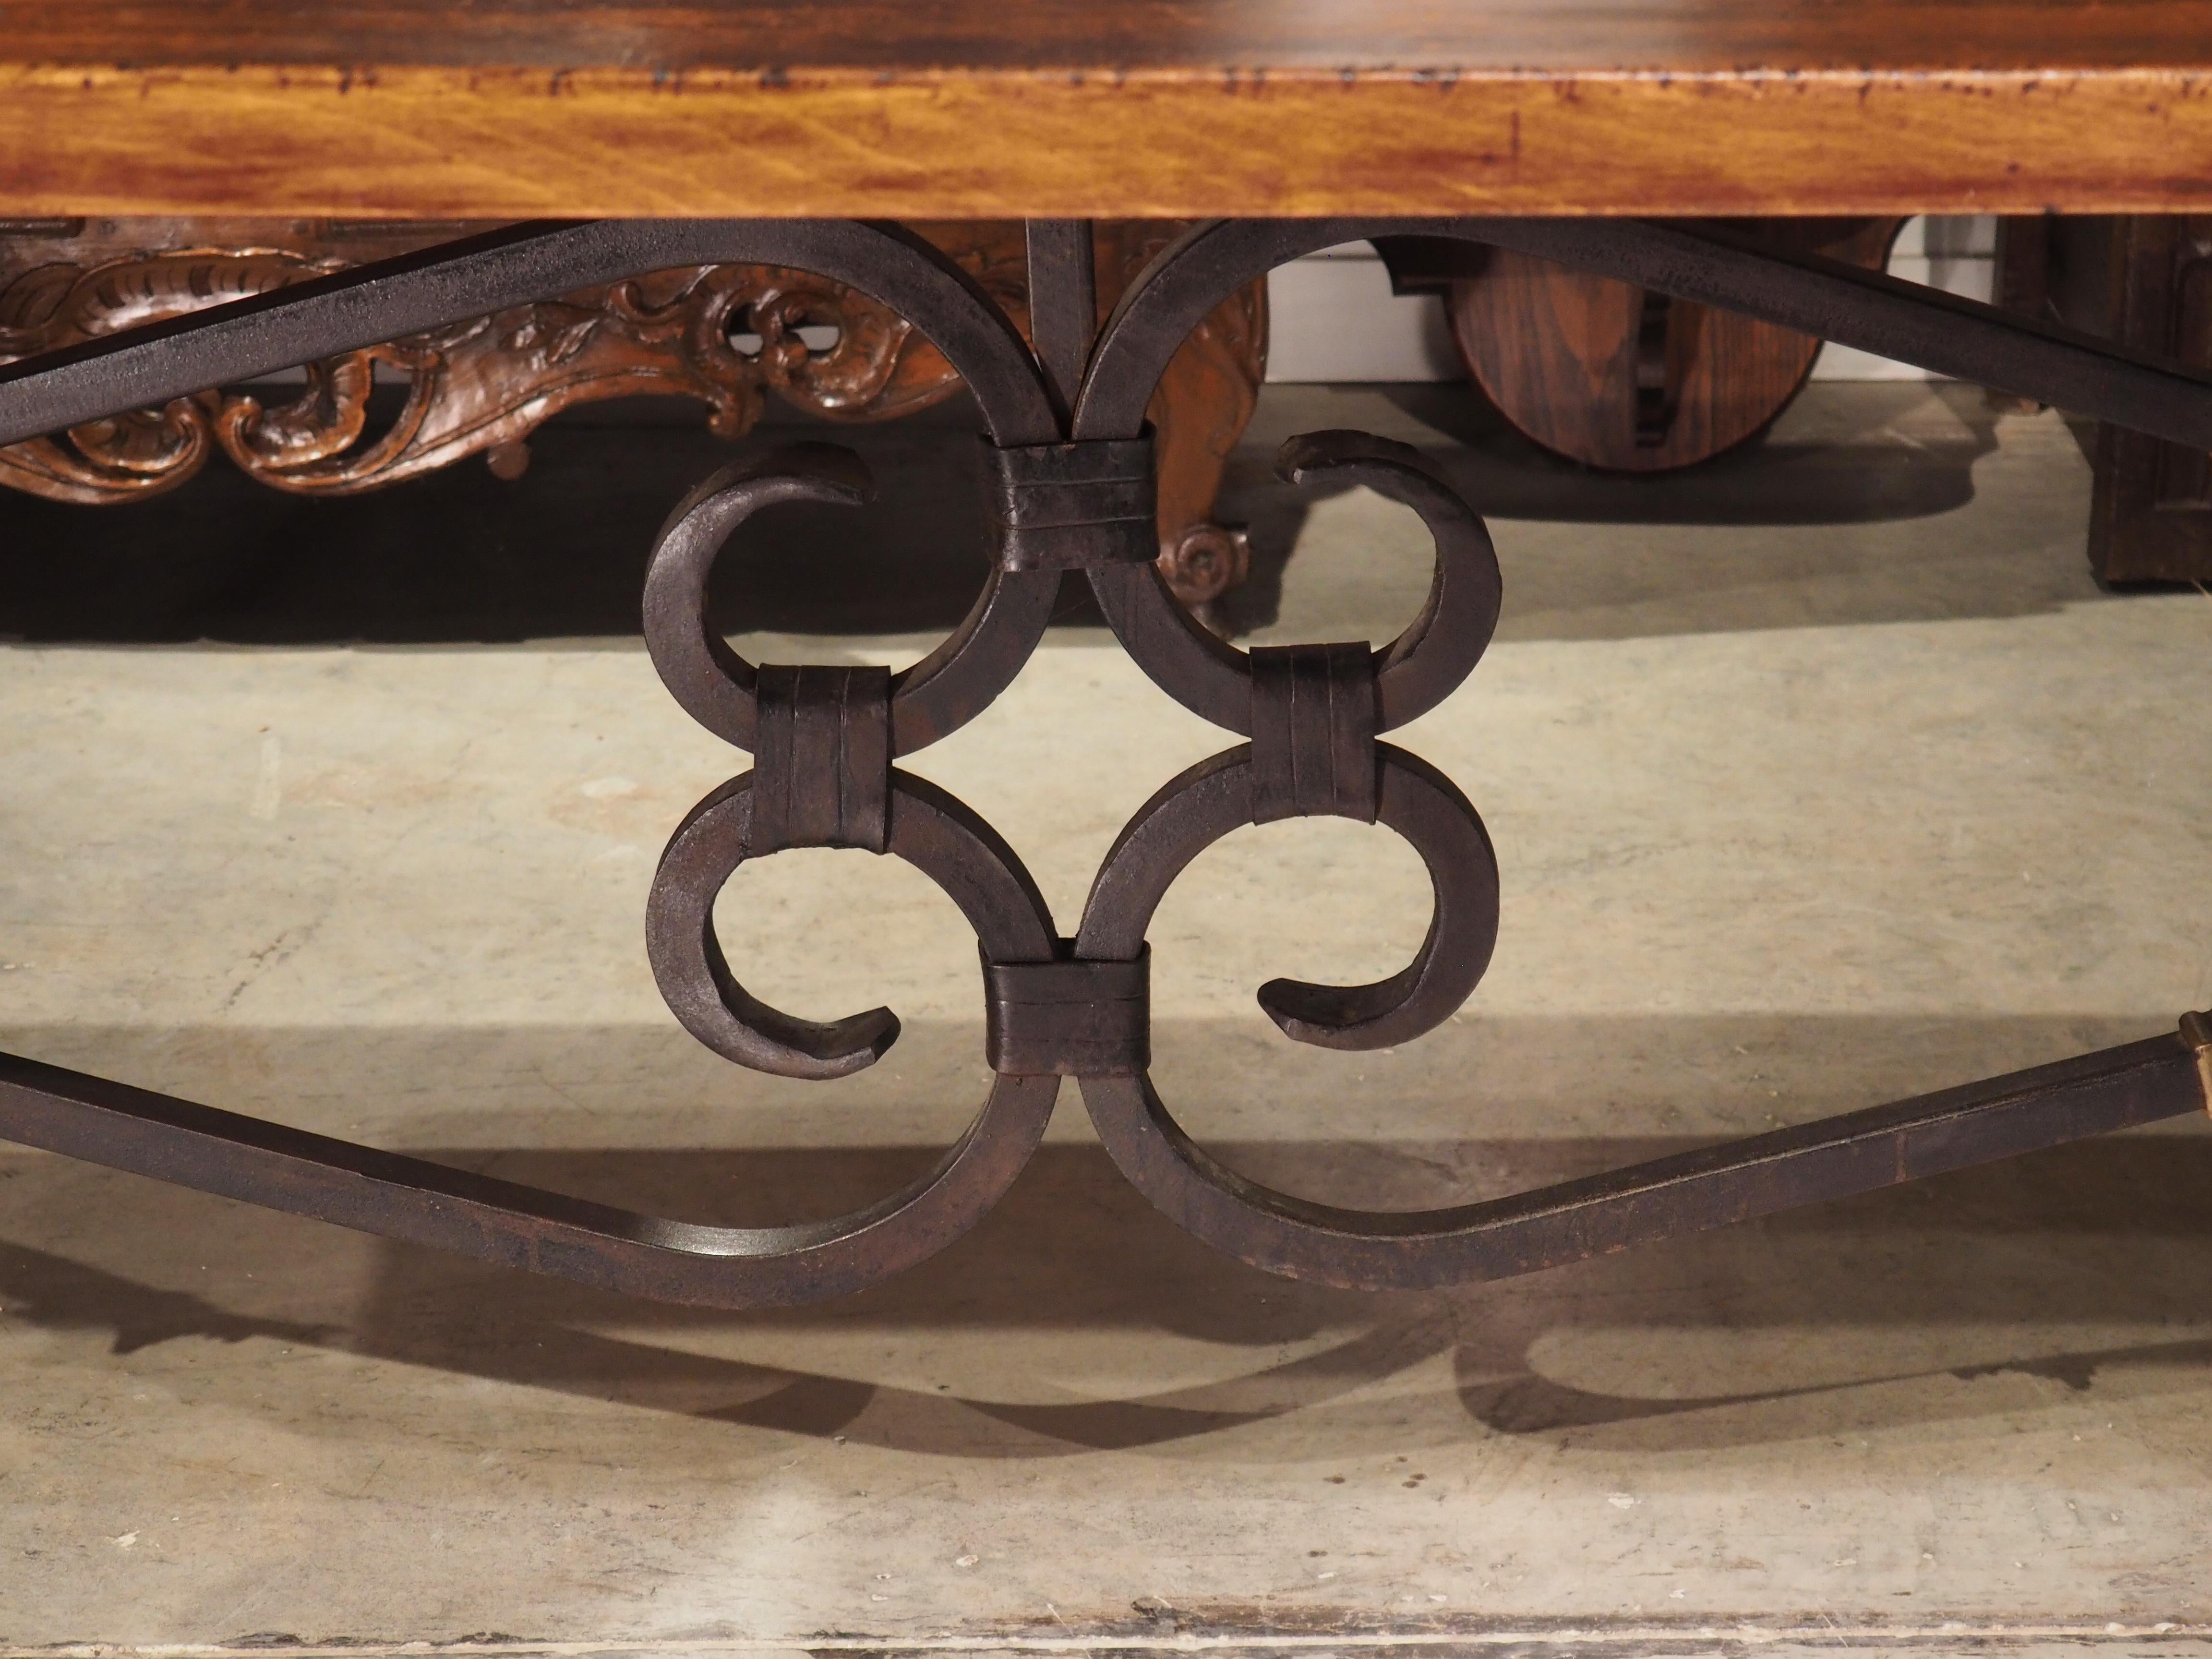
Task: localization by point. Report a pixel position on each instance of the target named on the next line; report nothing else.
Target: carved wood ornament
(727, 336)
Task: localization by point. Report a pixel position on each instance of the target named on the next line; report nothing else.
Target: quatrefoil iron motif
(823, 739)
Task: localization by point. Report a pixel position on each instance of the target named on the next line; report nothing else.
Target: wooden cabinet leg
(1203, 403)
(2150, 511)
(2146, 282)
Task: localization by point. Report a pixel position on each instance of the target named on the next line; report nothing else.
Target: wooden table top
(950, 108)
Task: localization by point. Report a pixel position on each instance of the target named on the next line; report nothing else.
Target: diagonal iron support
(394, 1196)
(369, 304)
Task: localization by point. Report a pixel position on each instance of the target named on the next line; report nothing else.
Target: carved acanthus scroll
(726, 336)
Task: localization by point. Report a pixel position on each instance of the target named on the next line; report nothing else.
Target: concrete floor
(1818, 776)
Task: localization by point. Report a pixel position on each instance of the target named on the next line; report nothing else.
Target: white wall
(1333, 317)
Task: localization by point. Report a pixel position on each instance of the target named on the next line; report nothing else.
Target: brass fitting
(2197, 1032)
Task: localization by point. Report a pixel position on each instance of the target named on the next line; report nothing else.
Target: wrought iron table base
(1073, 491)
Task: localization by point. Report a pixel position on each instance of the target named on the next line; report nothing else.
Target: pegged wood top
(1131, 108)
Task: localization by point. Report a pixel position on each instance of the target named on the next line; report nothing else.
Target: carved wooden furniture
(727, 336)
(2146, 282)
(1524, 126)
(1630, 380)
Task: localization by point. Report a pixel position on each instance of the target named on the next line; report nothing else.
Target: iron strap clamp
(1071, 465)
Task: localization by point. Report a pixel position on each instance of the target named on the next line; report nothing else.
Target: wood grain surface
(1139, 108)
(1613, 377)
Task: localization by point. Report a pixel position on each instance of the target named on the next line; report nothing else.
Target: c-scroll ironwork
(1072, 492)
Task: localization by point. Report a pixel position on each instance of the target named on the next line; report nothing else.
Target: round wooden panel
(1610, 375)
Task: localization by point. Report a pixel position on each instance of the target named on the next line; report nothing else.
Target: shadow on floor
(1995, 1263)
(1844, 465)
(2005, 1289)
(460, 557)
(1868, 483)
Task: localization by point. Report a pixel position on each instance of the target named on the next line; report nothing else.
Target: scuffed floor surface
(1819, 777)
